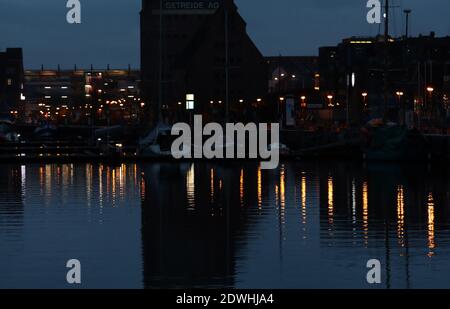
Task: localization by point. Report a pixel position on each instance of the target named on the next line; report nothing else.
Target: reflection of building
(189, 238)
(12, 184)
(82, 95)
(193, 53)
(11, 79)
(418, 77)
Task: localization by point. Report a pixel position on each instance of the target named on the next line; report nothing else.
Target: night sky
(109, 33)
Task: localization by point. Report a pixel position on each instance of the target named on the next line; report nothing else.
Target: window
(9, 82)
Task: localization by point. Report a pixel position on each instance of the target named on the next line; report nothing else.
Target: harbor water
(312, 224)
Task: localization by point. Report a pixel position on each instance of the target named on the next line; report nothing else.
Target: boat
(157, 143)
(46, 131)
(7, 132)
(392, 142)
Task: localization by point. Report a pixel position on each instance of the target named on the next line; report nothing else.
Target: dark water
(305, 225)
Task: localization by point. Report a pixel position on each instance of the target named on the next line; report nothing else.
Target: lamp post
(303, 98)
(303, 106)
(330, 105)
(401, 114)
(364, 96)
(430, 90)
(330, 100)
(280, 111)
(399, 95)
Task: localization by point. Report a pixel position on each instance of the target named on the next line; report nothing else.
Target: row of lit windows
(50, 87)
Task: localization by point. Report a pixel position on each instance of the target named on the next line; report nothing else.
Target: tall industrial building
(11, 79)
(195, 47)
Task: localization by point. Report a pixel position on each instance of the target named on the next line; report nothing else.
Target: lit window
(9, 82)
(190, 101)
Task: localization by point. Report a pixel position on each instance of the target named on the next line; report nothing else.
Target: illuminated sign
(177, 7)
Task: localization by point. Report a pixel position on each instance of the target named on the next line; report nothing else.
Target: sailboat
(388, 141)
(7, 132)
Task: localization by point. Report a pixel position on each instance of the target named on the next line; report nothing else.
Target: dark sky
(109, 33)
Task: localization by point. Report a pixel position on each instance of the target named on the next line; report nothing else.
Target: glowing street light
(330, 100)
(400, 94)
(365, 95)
(430, 90)
(303, 98)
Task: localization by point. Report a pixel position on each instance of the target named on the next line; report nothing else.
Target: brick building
(183, 51)
(11, 79)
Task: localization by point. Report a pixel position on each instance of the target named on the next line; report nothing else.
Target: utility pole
(407, 12)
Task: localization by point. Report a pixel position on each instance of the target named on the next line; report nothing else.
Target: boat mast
(227, 67)
(386, 58)
(161, 67)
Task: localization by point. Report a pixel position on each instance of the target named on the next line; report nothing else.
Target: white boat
(157, 143)
(7, 133)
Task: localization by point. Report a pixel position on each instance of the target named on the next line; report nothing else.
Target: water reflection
(401, 215)
(365, 203)
(225, 225)
(431, 236)
(189, 246)
(52, 213)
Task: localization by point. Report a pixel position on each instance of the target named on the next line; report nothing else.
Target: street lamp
(399, 95)
(303, 98)
(365, 95)
(430, 90)
(330, 100)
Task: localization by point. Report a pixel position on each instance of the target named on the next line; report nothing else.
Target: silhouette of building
(11, 79)
(418, 76)
(293, 74)
(184, 51)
